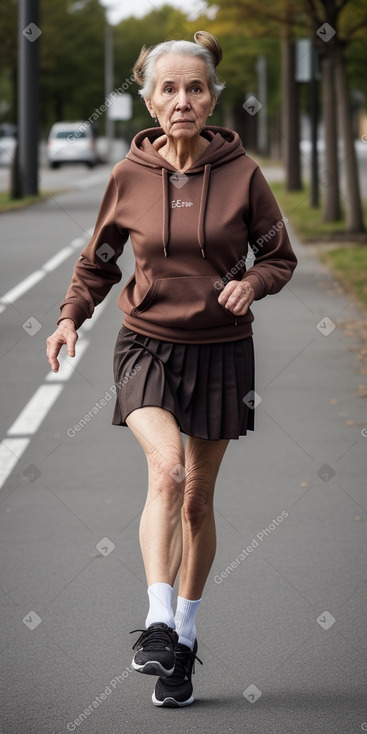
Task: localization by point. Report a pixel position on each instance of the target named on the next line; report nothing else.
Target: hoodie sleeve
(275, 260)
(96, 270)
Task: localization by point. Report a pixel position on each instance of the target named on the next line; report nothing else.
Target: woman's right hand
(64, 334)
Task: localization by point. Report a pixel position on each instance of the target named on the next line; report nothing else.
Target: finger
(238, 297)
(226, 293)
(70, 344)
(52, 353)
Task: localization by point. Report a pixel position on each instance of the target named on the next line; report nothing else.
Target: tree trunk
(329, 178)
(352, 196)
(290, 118)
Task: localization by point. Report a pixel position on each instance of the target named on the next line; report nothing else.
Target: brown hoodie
(190, 235)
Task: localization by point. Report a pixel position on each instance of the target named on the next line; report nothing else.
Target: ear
(214, 102)
(150, 107)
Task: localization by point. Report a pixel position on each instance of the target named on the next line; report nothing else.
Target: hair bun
(139, 66)
(211, 43)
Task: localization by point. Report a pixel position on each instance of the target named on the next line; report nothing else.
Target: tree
(333, 39)
(347, 20)
(280, 20)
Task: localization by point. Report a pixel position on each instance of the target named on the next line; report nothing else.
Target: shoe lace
(184, 664)
(152, 638)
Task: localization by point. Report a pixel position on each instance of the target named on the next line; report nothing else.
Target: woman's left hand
(237, 296)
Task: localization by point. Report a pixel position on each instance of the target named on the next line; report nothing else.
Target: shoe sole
(152, 667)
(171, 702)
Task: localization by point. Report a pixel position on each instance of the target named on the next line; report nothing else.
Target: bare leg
(203, 459)
(160, 526)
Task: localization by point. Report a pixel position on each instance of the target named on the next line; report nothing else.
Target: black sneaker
(155, 650)
(177, 690)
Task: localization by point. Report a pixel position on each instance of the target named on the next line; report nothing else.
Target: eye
(169, 90)
(196, 89)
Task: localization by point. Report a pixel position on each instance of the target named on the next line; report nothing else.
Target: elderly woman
(191, 201)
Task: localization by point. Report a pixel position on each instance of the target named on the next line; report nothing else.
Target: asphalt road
(282, 625)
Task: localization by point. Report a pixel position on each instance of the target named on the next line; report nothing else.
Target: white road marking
(11, 450)
(32, 415)
(89, 323)
(22, 287)
(59, 258)
(50, 265)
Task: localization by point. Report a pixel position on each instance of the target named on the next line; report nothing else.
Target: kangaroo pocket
(189, 302)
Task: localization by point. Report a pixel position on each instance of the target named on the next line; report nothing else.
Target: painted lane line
(89, 323)
(79, 242)
(59, 258)
(68, 364)
(22, 287)
(11, 450)
(25, 285)
(31, 417)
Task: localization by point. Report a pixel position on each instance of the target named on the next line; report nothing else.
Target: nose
(182, 100)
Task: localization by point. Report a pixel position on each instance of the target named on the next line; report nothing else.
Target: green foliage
(8, 59)
(350, 264)
(130, 35)
(72, 59)
(307, 221)
(72, 51)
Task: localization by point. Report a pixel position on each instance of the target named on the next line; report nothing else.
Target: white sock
(185, 620)
(160, 605)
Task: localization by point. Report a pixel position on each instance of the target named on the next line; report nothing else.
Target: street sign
(303, 70)
(120, 106)
(303, 60)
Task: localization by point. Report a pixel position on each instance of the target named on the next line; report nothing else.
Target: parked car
(71, 142)
(8, 142)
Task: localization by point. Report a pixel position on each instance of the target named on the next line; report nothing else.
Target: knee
(166, 471)
(197, 503)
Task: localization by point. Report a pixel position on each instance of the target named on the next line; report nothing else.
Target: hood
(225, 145)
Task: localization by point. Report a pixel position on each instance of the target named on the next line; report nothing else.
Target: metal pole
(28, 43)
(314, 110)
(109, 79)
(262, 121)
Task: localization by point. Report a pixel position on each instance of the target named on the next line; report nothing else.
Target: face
(181, 99)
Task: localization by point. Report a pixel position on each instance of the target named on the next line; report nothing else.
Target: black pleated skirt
(207, 387)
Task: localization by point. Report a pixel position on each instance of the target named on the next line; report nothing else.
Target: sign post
(28, 42)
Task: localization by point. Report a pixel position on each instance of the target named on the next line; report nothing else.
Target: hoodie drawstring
(165, 230)
(203, 202)
(202, 209)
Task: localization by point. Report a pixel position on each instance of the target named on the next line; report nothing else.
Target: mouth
(182, 121)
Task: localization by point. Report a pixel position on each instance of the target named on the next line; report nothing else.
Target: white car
(8, 141)
(71, 142)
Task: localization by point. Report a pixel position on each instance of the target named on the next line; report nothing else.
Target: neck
(181, 153)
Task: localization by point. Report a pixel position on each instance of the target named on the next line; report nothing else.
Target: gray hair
(184, 48)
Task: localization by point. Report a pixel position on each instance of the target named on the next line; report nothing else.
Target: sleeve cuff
(257, 283)
(71, 311)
